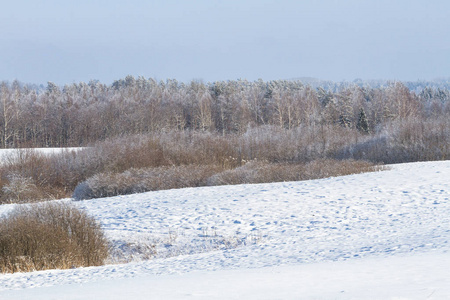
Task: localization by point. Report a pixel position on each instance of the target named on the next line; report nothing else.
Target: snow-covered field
(6, 154)
(382, 235)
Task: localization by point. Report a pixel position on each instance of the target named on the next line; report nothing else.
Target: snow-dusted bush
(407, 140)
(162, 178)
(140, 163)
(22, 174)
(262, 172)
(19, 189)
(50, 236)
(142, 180)
(83, 192)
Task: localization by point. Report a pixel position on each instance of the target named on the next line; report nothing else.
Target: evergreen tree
(363, 124)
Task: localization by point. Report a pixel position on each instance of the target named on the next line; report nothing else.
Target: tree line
(79, 114)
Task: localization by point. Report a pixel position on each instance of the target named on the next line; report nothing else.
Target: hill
(369, 236)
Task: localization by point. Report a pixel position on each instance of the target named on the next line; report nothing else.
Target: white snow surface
(6, 154)
(382, 235)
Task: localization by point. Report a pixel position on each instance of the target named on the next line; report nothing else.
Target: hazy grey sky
(72, 41)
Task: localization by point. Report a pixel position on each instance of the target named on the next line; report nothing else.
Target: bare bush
(263, 172)
(19, 189)
(49, 236)
(408, 140)
(28, 175)
(323, 168)
(142, 180)
(25, 178)
(172, 160)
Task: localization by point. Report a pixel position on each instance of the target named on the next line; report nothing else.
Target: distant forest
(83, 113)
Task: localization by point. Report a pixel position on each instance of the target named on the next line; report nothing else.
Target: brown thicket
(50, 236)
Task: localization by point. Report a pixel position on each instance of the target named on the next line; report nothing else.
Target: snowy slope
(369, 236)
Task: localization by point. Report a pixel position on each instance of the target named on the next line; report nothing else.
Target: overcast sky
(73, 41)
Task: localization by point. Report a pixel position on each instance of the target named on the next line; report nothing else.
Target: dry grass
(49, 236)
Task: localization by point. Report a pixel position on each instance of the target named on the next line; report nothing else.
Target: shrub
(83, 191)
(26, 176)
(166, 160)
(19, 189)
(262, 172)
(163, 178)
(404, 141)
(143, 180)
(50, 236)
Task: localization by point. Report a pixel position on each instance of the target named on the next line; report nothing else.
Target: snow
(6, 154)
(381, 235)
(422, 276)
